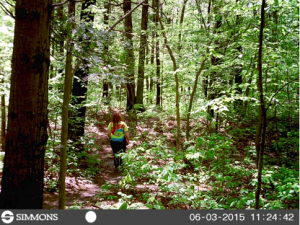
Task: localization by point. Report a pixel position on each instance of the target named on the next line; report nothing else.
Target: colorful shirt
(118, 132)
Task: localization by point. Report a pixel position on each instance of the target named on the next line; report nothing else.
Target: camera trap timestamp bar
(149, 217)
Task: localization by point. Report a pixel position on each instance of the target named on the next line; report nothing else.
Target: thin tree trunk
(176, 81)
(205, 80)
(129, 56)
(262, 114)
(289, 111)
(26, 138)
(191, 100)
(3, 117)
(180, 23)
(152, 63)
(61, 43)
(147, 62)
(152, 51)
(105, 20)
(80, 82)
(141, 66)
(238, 79)
(158, 91)
(258, 137)
(179, 36)
(161, 83)
(65, 108)
(276, 89)
(214, 61)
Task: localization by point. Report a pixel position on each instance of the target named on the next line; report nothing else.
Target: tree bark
(105, 20)
(142, 54)
(129, 56)
(65, 108)
(80, 82)
(61, 37)
(26, 139)
(238, 79)
(158, 91)
(147, 62)
(3, 118)
(152, 52)
(262, 112)
(214, 61)
(181, 21)
(276, 89)
(176, 82)
(191, 100)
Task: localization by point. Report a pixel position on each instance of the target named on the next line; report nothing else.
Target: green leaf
(151, 199)
(149, 206)
(123, 206)
(232, 203)
(251, 195)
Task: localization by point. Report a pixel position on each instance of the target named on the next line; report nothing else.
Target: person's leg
(123, 149)
(115, 149)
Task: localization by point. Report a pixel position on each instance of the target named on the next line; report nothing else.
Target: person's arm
(109, 130)
(127, 135)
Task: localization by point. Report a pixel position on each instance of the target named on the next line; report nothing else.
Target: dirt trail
(80, 190)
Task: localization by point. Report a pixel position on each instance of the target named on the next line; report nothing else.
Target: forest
(209, 90)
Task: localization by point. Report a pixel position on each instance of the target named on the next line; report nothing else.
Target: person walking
(117, 131)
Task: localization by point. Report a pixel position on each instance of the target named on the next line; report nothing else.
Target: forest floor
(104, 189)
(81, 192)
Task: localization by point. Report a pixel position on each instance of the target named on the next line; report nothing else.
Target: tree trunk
(147, 62)
(129, 56)
(61, 37)
(205, 80)
(238, 79)
(26, 139)
(152, 52)
(65, 108)
(214, 61)
(3, 117)
(158, 91)
(276, 89)
(181, 21)
(176, 82)
(80, 82)
(142, 54)
(191, 100)
(262, 112)
(105, 20)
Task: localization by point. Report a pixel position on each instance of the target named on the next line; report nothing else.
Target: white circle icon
(90, 216)
(7, 217)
